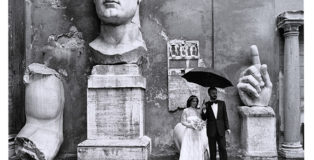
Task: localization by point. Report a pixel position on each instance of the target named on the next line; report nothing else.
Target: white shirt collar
(215, 109)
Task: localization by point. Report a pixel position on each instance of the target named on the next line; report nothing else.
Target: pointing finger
(255, 55)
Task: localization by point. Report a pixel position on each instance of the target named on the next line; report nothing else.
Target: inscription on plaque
(115, 113)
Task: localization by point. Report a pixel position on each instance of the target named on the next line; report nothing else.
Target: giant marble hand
(254, 85)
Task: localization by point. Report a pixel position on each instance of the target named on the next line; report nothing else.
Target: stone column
(290, 22)
(115, 115)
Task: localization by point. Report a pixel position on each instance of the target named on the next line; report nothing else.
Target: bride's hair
(188, 102)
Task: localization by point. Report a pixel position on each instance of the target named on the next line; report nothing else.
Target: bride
(190, 134)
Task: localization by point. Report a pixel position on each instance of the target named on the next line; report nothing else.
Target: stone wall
(237, 25)
(165, 20)
(16, 66)
(51, 19)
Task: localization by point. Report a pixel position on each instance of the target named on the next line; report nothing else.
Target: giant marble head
(116, 12)
(120, 39)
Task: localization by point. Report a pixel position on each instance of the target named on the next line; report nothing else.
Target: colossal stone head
(117, 12)
(120, 40)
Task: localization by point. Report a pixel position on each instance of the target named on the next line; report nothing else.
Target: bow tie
(215, 101)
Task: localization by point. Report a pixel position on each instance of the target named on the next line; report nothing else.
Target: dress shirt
(215, 109)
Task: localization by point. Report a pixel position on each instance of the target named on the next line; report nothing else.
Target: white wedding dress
(194, 142)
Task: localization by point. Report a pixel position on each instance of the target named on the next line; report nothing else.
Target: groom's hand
(228, 131)
(204, 110)
(203, 107)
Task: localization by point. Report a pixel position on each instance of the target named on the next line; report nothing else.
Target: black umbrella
(207, 77)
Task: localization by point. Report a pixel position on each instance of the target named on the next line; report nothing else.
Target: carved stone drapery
(42, 135)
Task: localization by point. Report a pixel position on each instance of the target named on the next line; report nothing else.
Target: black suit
(216, 129)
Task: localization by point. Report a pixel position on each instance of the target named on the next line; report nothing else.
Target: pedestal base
(258, 132)
(137, 149)
(259, 158)
(291, 151)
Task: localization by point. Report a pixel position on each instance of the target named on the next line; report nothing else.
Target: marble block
(134, 149)
(115, 102)
(258, 132)
(115, 114)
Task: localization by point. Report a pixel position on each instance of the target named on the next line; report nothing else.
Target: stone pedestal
(290, 22)
(258, 132)
(115, 115)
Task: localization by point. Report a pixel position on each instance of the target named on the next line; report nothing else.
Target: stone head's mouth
(106, 2)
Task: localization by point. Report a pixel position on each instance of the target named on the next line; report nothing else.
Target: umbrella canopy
(207, 77)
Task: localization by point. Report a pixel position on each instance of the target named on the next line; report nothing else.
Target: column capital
(290, 21)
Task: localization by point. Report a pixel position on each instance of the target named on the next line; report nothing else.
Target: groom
(217, 124)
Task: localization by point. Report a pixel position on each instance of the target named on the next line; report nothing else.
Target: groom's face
(212, 94)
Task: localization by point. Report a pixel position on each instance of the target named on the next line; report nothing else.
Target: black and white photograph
(156, 80)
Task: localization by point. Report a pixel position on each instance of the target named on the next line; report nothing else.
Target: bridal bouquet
(198, 124)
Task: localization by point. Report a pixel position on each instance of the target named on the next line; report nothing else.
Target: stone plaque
(182, 57)
(181, 49)
(179, 91)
